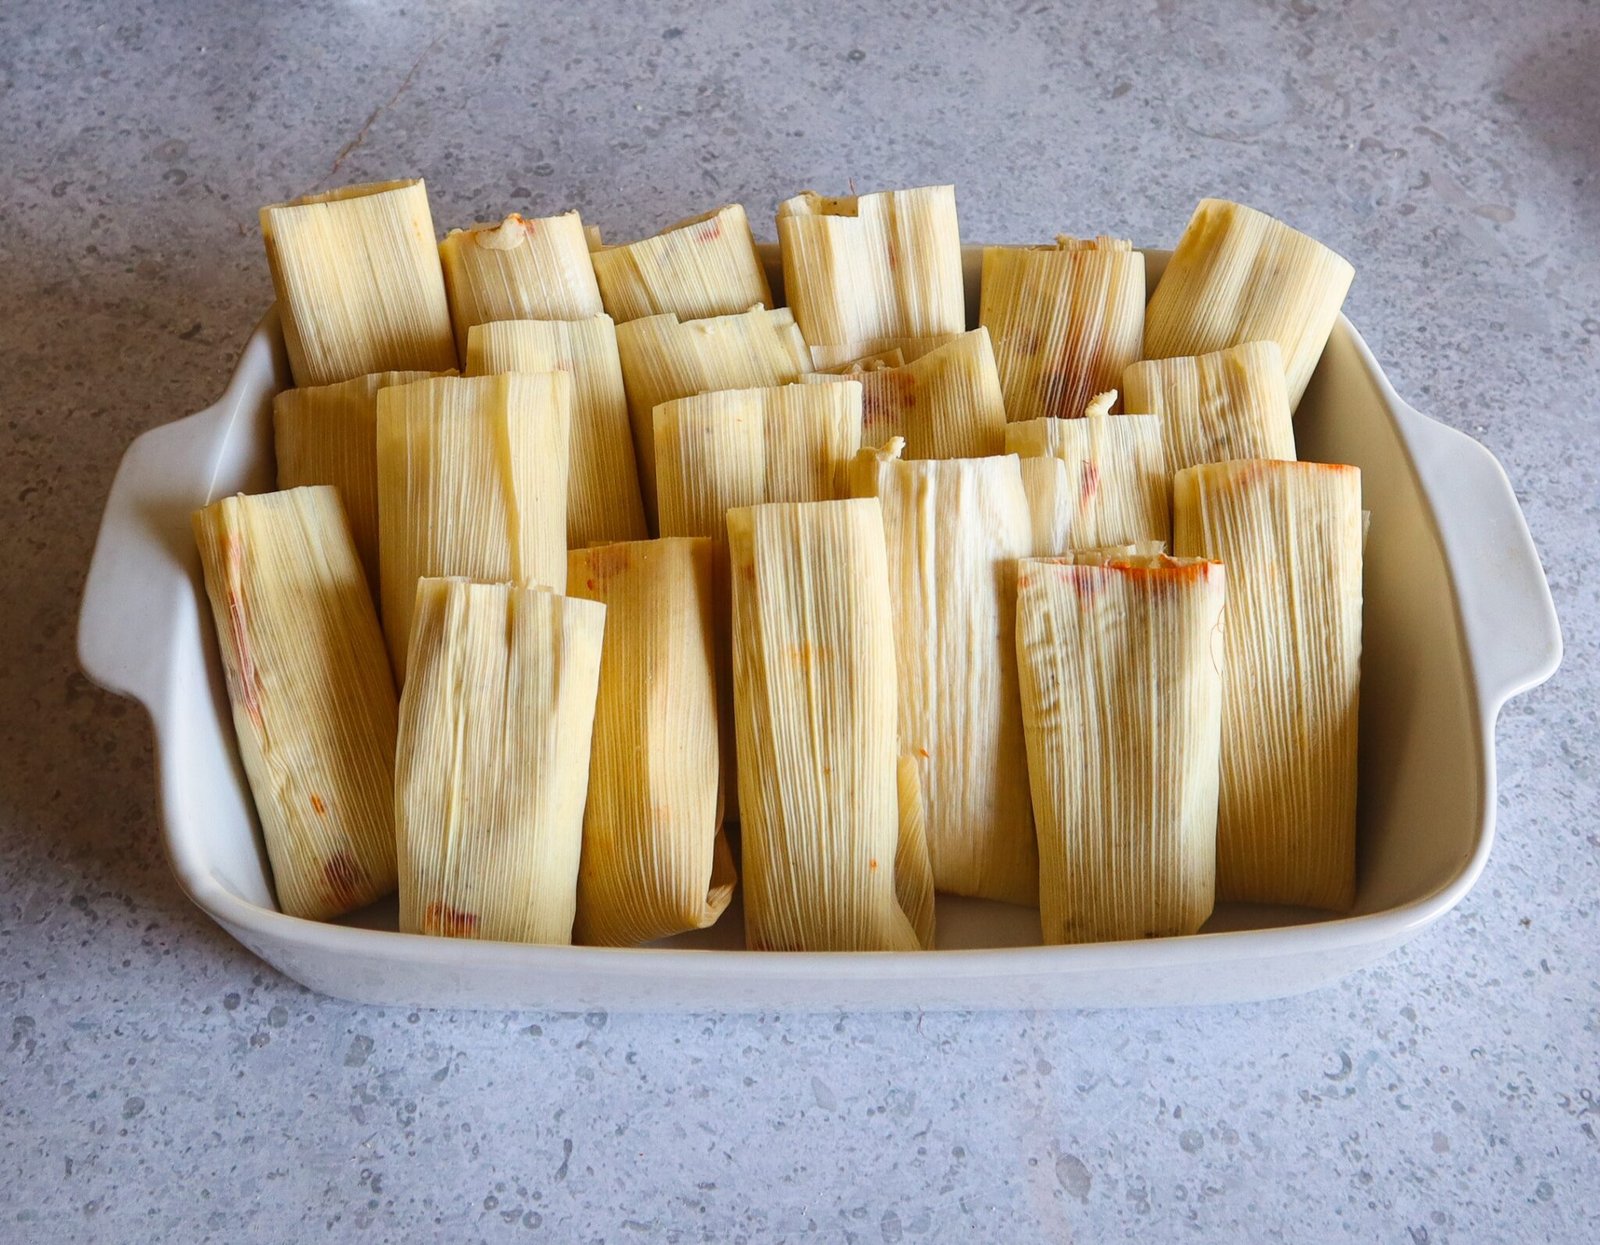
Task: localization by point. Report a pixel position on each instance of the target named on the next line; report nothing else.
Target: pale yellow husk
(328, 434)
(1100, 480)
(603, 498)
(313, 701)
(1120, 660)
(819, 773)
(1290, 535)
(472, 481)
(492, 763)
(704, 266)
(1216, 407)
(828, 358)
(954, 530)
(1239, 276)
(519, 268)
(655, 862)
(944, 404)
(1066, 320)
(665, 358)
(872, 266)
(359, 285)
(742, 447)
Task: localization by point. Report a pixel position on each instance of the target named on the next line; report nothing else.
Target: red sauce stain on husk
(345, 879)
(441, 919)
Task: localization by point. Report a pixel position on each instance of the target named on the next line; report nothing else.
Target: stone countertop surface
(157, 1083)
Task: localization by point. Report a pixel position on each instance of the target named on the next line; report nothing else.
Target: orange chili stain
(605, 561)
(709, 230)
(441, 919)
(345, 879)
(1091, 481)
(922, 752)
(872, 864)
(319, 805)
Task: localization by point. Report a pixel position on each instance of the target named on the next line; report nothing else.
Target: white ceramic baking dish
(1458, 619)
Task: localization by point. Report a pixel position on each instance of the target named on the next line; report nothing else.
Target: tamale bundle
(944, 404)
(1239, 276)
(328, 434)
(1216, 407)
(741, 447)
(359, 285)
(1100, 480)
(665, 358)
(820, 783)
(655, 862)
(880, 265)
(704, 266)
(1066, 320)
(313, 701)
(472, 481)
(954, 530)
(603, 499)
(1120, 658)
(492, 760)
(1290, 535)
(520, 268)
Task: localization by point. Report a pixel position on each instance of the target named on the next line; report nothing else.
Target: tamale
(492, 761)
(954, 530)
(704, 266)
(655, 862)
(1066, 320)
(814, 690)
(1239, 276)
(1290, 535)
(313, 701)
(472, 481)
(519, 268)
(603, 498)
(1120, 660)
(359, 285)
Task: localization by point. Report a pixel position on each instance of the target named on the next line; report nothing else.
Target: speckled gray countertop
(159, 1084)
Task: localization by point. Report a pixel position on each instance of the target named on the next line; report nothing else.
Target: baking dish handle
(1506, 610)
(145, 541)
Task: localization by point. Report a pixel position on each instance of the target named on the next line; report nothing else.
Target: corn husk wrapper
(655, 862)
(1216, 407)
(1290, 535)
(945, 404)
(313, 701)
(1121, 666)
(954, 530)
(1101, 480)
(328, 434)
(472, 481)
(704, 266)
(832, 358)
(825, 821)
(519, 268)
(603, 498)
(1239, 276)
(492, 763)
(664, 358)
(359, 285)
(742, 447)
(1066, 321)
(872, 266)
